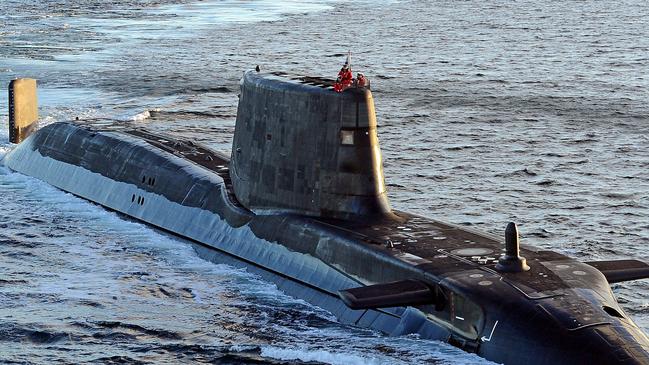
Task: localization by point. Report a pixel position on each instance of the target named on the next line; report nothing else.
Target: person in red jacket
(345, 78)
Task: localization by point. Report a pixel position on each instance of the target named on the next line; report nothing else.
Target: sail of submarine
(302, 200)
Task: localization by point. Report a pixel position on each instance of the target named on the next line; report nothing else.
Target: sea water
(488, 112)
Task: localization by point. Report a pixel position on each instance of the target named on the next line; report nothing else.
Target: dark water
(488, 112)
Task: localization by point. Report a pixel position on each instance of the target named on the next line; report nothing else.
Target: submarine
(302, 201)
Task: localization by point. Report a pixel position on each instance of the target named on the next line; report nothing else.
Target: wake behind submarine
(302, 200)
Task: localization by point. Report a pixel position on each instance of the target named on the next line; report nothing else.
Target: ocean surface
(489, 112)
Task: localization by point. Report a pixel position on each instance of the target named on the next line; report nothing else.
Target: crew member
(361, 80)
(345, 78)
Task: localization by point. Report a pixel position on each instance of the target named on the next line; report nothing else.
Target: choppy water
(488, 111)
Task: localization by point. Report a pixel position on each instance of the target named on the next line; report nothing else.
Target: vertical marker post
(23, 109)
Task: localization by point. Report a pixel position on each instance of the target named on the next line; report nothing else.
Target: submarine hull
(129, 175)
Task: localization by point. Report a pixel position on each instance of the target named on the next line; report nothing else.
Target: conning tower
(299, 147)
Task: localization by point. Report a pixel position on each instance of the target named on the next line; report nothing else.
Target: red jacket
(344, 80)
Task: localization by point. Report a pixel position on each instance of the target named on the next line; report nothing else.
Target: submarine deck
(206, 158)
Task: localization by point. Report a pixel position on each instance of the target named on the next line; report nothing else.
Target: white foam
(241, 348)
(4, 149)
(337, 344)
(197, 15)
(4, 132)
(142, 116)
(335, 348)
(325, 356)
